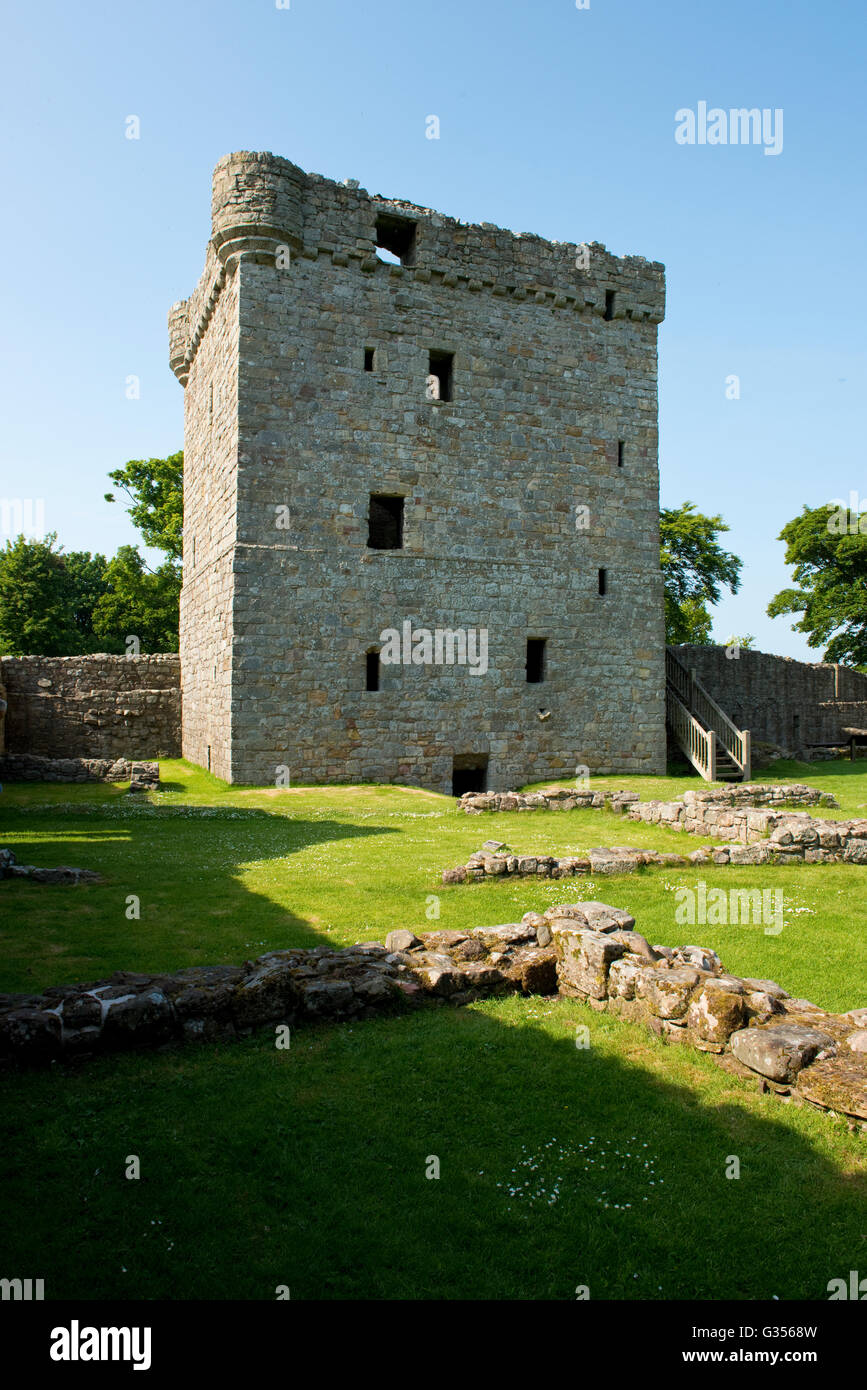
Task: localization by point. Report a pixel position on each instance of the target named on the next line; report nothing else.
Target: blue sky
(553, 120)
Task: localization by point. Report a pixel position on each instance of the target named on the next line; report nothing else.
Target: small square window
(535, 660)
(368, 359)
(385, 523)
(439, 381)
(395, 236)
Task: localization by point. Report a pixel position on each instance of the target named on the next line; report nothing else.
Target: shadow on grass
(193, 905)
(321, 1155)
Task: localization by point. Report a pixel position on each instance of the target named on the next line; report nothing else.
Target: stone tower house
(421, 495)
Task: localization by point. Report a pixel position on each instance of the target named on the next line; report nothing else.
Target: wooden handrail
(689, 692)
(698, 743)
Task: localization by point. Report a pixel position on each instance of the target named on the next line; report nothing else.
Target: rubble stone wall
(92, 707)
(571, 799)
(759, 818)
(585, 950)
(23, 767)
(788, 703)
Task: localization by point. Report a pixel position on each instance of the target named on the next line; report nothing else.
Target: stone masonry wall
(552, 367)
(584, 950)
(781, 701)
(836, 716)
(570, 799)
(758, 818)
(29, 767)
(210, 484)
(92, 706)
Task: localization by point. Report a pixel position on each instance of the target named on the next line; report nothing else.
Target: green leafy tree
(47, 598)
(139, 602)
(694, 568)
(57, 604)
(829, 560)
(155, 490)
(86, 576)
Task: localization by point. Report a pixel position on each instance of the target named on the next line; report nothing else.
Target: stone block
(779, 1051)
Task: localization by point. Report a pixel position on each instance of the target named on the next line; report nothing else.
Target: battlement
(267, 209)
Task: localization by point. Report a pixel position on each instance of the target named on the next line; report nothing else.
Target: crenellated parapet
(267, 209)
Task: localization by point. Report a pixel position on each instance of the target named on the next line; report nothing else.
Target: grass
(306, 1167)
(223, 873)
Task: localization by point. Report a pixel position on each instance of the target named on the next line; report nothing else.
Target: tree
(155, 488)
(829, 558)
(47, 598)
(694, 567)
(86, 576)
(139, 602)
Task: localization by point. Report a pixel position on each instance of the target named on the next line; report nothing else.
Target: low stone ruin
(740, 794)
(26, 767)
(554, 799)
(794, 839)
(496, 859)
(588, 951)
(10, 868)
(751, 815)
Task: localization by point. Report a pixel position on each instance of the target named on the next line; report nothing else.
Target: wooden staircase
(718, 750)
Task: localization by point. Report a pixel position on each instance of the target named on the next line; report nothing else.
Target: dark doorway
(469, 774)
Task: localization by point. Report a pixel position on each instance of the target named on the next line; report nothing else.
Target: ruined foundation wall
(92, 706)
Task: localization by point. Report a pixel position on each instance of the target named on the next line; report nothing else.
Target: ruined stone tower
(409, 441)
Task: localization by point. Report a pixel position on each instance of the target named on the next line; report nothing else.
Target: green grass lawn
(306, 1168)
(225, 873)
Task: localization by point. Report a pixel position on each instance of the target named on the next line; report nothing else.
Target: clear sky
(553, 119)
